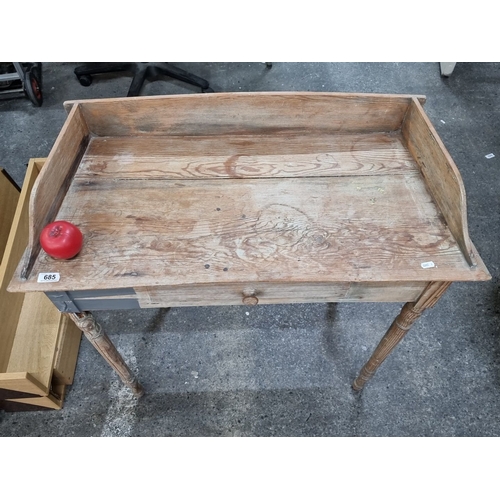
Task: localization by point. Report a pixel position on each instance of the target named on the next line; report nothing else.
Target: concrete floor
(286, 370)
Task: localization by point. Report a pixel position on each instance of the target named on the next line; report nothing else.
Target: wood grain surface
(52, 401)
(52, 184)
(68, 345)
(276, 293)
(165, 232)
(9, 194)
(34, 346)
(440, 173)
(22, 381)
(11, 304)
(243, 113)
(291, 155)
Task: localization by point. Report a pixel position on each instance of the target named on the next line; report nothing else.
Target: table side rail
(53, 182)
(442, 176)
(248, 112)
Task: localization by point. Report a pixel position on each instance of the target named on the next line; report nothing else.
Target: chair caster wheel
(85, 80)
(33, 87)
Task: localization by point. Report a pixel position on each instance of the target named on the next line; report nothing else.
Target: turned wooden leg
(93, 331)
(403, 322)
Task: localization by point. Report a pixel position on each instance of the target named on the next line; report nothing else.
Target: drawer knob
(250, 300)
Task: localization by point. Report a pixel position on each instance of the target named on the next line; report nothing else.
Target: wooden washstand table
(253, 198)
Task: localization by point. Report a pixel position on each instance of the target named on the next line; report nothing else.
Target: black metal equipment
(21, 79)
(141, 71)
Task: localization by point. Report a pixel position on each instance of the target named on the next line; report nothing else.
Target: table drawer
(277, 293)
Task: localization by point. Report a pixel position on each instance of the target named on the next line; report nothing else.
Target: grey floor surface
(287, 370)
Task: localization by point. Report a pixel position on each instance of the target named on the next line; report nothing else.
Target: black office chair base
(142, 72)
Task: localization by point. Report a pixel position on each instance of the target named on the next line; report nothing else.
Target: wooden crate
(38, 345)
